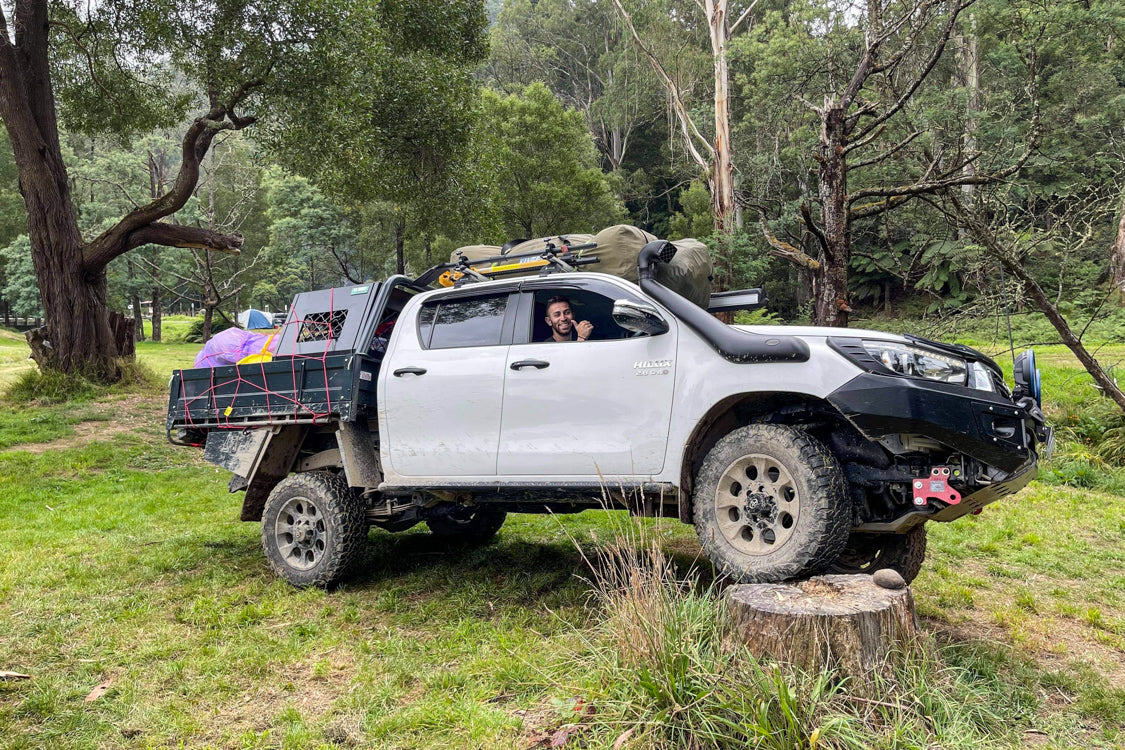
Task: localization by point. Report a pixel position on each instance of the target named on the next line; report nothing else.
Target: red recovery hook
(935, 487)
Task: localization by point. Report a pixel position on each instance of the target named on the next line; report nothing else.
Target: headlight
(918, 362)
(980, 378)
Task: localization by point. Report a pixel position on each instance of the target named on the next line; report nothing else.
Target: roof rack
(553, 258)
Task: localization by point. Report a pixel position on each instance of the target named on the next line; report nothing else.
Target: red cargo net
(326, 326)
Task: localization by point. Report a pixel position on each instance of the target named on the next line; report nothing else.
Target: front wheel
(770, 505)
(314, 529)
(867, 553)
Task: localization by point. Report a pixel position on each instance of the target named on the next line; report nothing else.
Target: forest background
(585, 113)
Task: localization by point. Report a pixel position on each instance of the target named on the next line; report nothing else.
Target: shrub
(194, 333)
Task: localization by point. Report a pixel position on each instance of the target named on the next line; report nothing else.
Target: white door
(587, 408)
(443, 383)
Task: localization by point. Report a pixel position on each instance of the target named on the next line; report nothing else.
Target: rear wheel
(770, 505)
(867, 553)
(314, 530)
(476, 523)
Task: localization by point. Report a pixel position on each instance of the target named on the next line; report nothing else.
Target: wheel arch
(278, 457)
(737, 410)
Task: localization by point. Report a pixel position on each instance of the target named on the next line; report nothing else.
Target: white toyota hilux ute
(793, 450)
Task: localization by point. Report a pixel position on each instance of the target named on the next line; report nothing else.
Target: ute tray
(287, 390)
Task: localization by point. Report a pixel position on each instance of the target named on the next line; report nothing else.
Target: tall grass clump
(47, 387)
(664, 668)
(668, 674)
(140, 376)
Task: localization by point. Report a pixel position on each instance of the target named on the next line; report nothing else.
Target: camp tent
(251, 319)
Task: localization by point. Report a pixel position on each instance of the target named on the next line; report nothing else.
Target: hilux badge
(652, 367)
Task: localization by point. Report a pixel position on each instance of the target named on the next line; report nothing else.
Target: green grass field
(124, 566)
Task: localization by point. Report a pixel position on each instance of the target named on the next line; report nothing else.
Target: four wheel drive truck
(792, 450)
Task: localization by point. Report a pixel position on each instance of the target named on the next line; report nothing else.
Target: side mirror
(639, 317)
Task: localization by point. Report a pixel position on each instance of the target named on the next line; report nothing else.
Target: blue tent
(252, 319)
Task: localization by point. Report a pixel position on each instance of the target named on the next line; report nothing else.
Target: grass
(123, 563)
(666, 669)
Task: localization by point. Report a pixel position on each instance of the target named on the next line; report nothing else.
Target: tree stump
(842, 623)
(124, 332)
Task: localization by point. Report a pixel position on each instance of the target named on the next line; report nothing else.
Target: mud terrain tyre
(867, 553)
(770, 505)
(314, 529)
(475, 523)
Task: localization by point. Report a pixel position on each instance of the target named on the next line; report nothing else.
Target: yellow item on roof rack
(487, 269)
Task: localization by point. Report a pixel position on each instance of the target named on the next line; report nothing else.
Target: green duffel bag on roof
(475, 252)
(688, 274)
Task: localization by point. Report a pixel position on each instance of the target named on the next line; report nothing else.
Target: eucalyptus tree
(680, 37)
(857, 108)
(581, 50)
(343, 87)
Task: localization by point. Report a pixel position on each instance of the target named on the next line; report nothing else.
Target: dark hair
(557, 298)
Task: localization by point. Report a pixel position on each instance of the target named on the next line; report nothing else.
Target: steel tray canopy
(328, 320)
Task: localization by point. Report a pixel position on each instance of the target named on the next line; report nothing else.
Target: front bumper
(980, 424)
(971, 503)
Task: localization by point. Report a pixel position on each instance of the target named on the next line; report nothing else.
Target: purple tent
(229, 346)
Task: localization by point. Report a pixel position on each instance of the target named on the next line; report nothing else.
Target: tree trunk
(970, 64)
(722, 168)
(76, 336)
(832, 284)
(400, 257)
(208, 316)
(843, 623)
(1117, 255)
(134, 301)
(616, 149)
(156, 313)
(138, 317)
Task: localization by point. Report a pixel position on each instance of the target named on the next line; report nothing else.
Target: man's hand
(584, 329)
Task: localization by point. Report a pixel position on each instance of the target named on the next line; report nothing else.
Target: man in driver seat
(560, 318)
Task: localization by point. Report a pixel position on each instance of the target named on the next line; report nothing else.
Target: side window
(593, 307)
(462, 322)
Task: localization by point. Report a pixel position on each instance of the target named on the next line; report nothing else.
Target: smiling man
(561, 320)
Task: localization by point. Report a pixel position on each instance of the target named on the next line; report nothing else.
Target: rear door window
(477, 321)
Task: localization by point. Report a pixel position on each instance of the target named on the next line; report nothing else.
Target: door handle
(538, 364)
(409, 371)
